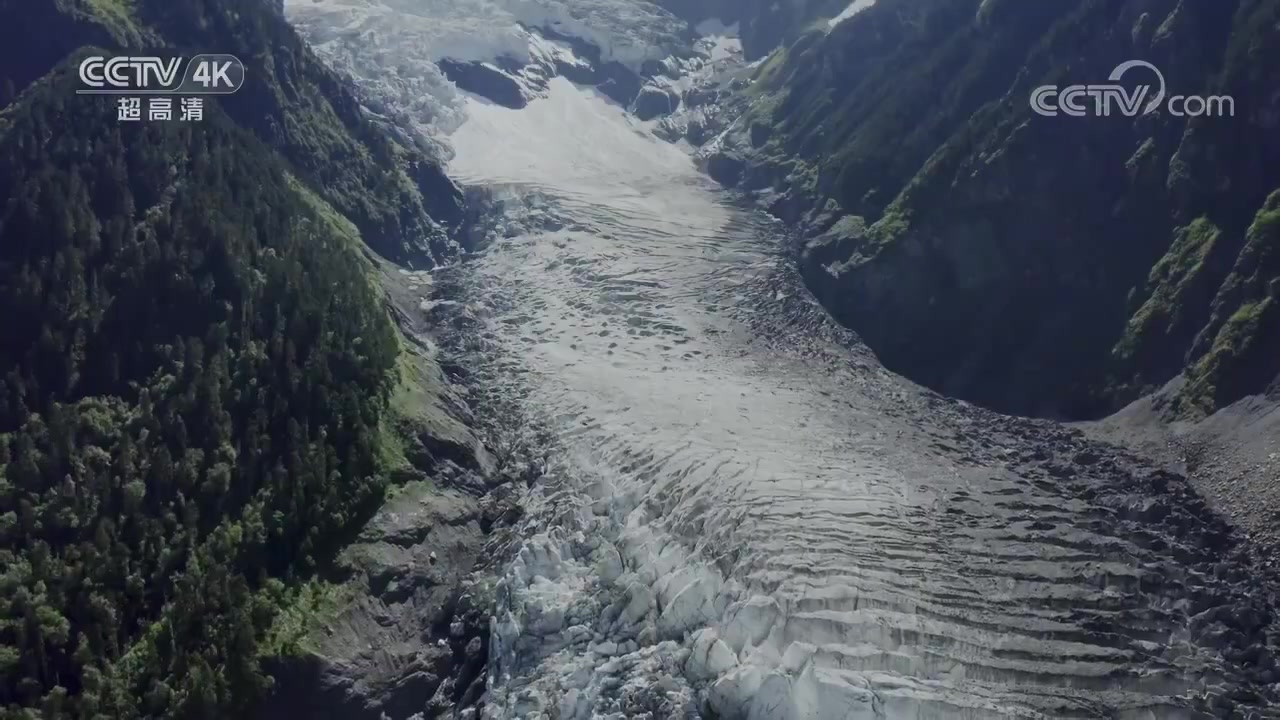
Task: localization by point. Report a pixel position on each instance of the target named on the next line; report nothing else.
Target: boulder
(725, 169)
(655, 101)
(487, 81)
(619, 83)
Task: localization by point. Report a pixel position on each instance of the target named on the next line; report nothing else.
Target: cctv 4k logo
(201, 75)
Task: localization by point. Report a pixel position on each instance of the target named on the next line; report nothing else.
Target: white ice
(854, 8)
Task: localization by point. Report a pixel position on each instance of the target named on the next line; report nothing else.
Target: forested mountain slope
(393, 191)
(195, 369)
(1058, 266)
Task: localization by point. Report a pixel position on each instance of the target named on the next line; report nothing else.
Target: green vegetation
(193, 389)
(305, 608)
(1248, 333)
(1243, 347)
(119, 17)
(1177, 286)
(196, 370)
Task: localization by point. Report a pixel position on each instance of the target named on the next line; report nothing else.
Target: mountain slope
(1054, 266)
(196, 369)
(392, 189)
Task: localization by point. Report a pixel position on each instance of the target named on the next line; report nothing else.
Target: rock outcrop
(656, 100)
(487, 80)
(409, 638)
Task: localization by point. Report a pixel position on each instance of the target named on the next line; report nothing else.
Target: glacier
(744, 514)
(741, 513)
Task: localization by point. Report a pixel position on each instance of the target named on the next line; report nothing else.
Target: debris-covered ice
(745, 516)
(742, 514)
